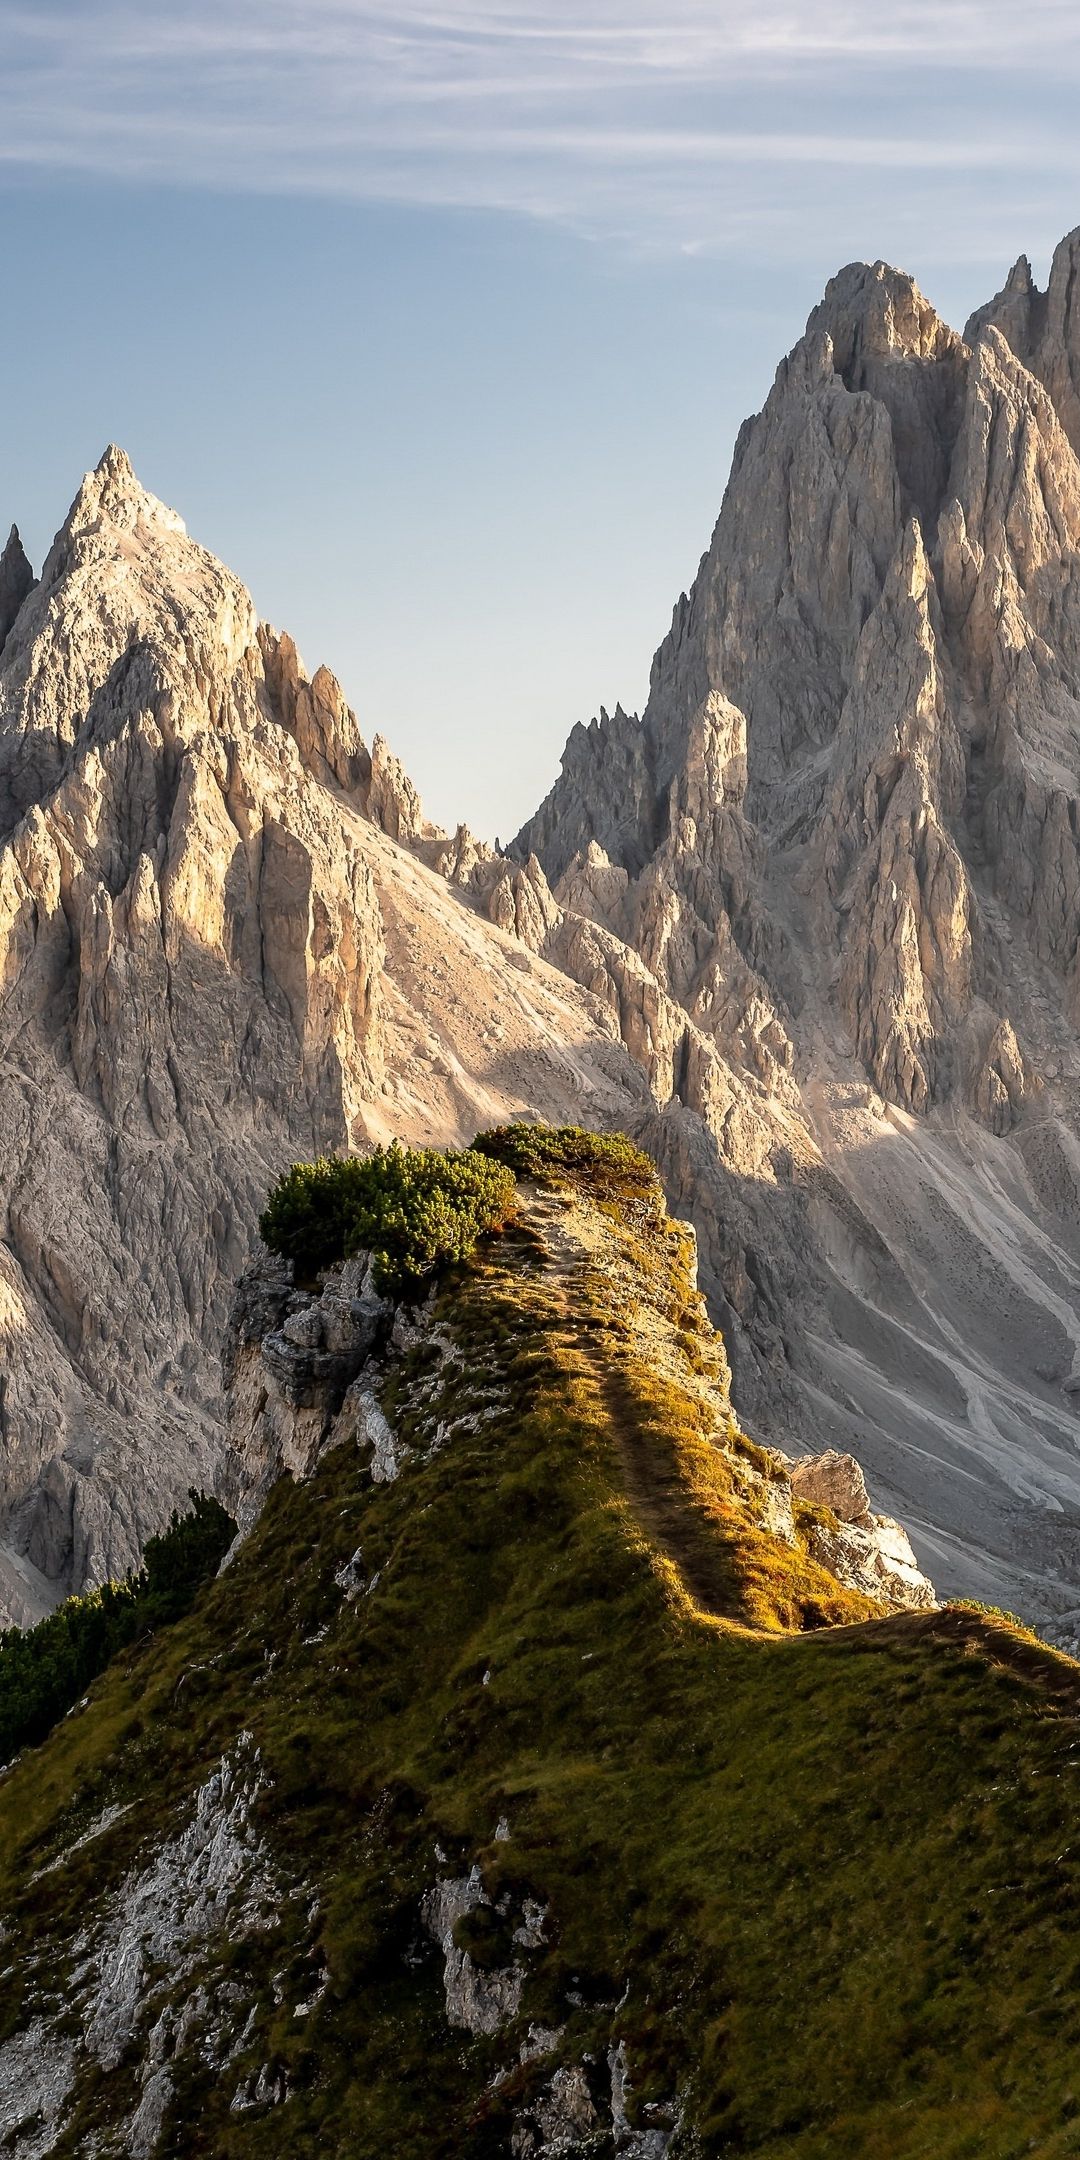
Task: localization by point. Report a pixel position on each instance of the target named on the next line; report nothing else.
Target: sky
(438, 321)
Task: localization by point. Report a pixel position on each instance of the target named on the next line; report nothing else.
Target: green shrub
(45, 1669)
(605, 1166)
(414, 1209)
(188, 1553)
(1000, 1613)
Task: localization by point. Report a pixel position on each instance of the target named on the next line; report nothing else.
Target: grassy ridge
(823, 1882)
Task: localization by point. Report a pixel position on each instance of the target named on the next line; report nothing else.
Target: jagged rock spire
(16, 581)
(1043, 328)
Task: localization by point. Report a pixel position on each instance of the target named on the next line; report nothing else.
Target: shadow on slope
(549, 1850)
(913, 1298)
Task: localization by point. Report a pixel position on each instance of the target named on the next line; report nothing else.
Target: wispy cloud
(605, 114)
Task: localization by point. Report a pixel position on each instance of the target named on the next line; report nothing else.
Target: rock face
(868, 1552)
(291, 1358)
(216, 955)
(808, 930)
(842, 841)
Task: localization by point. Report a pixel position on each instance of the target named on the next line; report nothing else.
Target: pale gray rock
(215, 958)
(648, 2143)
(1043, 329)
(606, 796)
(124, 1998)
(38, 2068)
(294, 1365)
(834, 1481)
(843, 842)
(868, 1552)
(478, 2000)
(891, 864)
(1001, 1081)
(392, 801)
(325, 727)
(877, 1560)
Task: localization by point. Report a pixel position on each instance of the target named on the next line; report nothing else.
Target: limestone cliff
(842, 840)
(215, 956)
(809, 929)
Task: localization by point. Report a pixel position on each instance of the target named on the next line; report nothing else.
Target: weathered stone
(214, 959)
(834, 1481)
(843, 842)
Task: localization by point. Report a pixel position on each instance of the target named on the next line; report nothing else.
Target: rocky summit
(220, 949)
(843, 839)
(807, 929)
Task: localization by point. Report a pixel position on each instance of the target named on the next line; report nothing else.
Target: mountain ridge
(878, 658)
(214, 956)
(808, 931)
(634, 1831)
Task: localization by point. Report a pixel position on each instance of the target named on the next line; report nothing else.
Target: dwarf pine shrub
(414, 1209)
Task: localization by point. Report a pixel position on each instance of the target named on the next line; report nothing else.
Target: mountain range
(807, 930)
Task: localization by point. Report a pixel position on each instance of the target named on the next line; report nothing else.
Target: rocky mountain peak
(129, 611)
(867, 905)
(887, 340)
(224, 945)
(890, 567)
(113, 491)
(16, 582)
(1043, 328)
(872, 311)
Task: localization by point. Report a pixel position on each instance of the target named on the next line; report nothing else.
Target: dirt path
(650, 1476)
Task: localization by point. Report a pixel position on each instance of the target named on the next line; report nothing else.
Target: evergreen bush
(414, 1209)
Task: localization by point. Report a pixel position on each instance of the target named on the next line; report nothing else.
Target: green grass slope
(751, 1869)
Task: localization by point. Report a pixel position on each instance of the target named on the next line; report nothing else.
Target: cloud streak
(604, 116)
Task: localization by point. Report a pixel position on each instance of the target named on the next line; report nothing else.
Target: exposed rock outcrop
(214, 958)
(842, 839)
(291, 1360)
(869, 1552)
(810, 928)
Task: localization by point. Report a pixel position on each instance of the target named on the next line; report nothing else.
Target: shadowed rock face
(16, 579)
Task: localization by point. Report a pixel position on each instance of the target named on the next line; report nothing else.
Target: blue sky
(437, 321)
